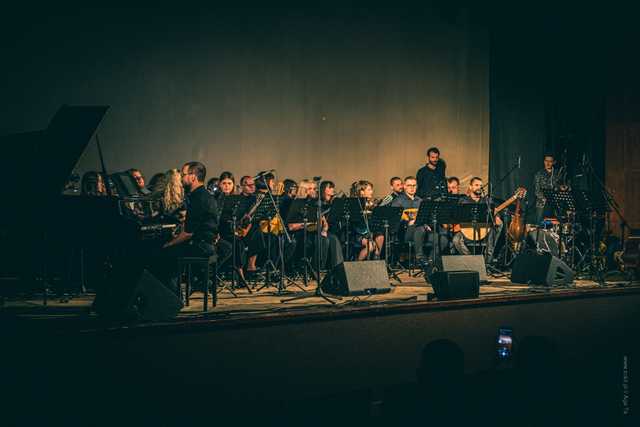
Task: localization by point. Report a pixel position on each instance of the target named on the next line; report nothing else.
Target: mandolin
(409, 214)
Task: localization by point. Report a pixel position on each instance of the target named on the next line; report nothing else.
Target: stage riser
(330, 356)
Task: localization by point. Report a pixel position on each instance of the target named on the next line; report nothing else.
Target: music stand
(233, 208)
(475, 214)
(349, 209)
(386, 219)
(434, 211)
(299, 212)
(266, 211)
(561, 201)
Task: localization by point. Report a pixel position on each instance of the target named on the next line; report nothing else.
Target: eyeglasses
(410, 185)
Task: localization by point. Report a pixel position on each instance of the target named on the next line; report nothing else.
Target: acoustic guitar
(482, 229)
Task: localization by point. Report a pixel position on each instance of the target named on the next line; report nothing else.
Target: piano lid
(44, 159)
(67, 136)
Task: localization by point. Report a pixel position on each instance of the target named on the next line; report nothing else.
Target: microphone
(317, 178)
(263, 173)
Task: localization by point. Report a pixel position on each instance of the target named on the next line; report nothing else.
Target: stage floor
(411, 292)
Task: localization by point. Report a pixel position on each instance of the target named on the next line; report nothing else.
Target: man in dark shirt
(397, 187)
(431, 177)
(409, 200)
(475, 195)
(201, 226)
(545, 179)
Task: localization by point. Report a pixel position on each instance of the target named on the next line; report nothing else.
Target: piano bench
(203, 265)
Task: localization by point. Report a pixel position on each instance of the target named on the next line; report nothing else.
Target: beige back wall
(343, 94)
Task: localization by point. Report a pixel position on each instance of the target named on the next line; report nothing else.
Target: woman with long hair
(364, 189)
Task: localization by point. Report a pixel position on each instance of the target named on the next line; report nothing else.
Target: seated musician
(397, 187)
(290, 188)
(93, 184)
(252, 241)
(453, 185)
(410, 202)
(224, 244)
(201, 225)
(269, 179)
(226, 184)
(327, 192)
(475, 195)
(173, 200)
(364, 189)
(302, 242)
(138, 178)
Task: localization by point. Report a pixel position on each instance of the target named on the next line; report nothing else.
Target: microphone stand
(281, 286)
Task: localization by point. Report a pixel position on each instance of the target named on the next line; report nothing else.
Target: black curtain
(546, 96)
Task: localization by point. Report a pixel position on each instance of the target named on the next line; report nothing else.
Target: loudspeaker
(465, 263)
(449, 285)
(545, 241)
(357, 278)
(543, 269)
(135, 294)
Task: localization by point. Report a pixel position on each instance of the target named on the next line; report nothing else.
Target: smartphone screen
(505, 343)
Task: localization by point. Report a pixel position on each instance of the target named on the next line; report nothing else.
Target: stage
(411, 293)
(253, 357)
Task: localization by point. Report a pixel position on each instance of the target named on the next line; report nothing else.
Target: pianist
(201, 225)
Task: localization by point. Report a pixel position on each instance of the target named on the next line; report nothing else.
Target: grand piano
(43, 227)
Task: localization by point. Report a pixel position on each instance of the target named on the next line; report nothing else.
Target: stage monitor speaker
(450, 285)
(357, 278)
(466, 263)
(543, 269)
(135, 294)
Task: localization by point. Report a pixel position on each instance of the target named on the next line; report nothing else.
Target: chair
(186, 266)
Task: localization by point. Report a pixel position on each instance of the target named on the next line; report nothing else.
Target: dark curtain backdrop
(547, 94)
(340, 92)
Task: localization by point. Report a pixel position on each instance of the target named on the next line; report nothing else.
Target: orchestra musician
(247, 186)
(409, 201)
(431, 177)
(290, 188)
(93, 184)
(226, 184)
(397, 187)
(475, 194)
(453, 185)
(327, 191)
(546, 179)
(137, 177)
(364, 189)
(200, 228)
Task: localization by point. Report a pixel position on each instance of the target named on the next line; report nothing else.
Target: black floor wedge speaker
(133, 293)
(357, 278)
(466, 263)
(450, 285)
(532, 268)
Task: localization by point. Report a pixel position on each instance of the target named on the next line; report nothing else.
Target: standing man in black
(431, 177)
(201, 225)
